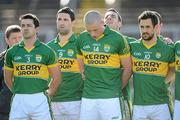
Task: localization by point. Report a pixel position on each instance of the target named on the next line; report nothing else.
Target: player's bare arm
(55, 74)
(127, 70)
(8, 78)
(170, 75)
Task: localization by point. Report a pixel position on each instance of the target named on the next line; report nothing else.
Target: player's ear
(157, 27)
(7, 41)
(73, 23)
(37, 29)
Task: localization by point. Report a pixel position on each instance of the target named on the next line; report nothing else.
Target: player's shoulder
(45, 48)
(51, 42)
(165, 45)
(114, 33)
(14, 48)
(177, 42)
(129, 39)
(84, 33)
(135, 42)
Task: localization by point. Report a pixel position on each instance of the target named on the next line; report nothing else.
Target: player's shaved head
(94, 23)
(92, 17)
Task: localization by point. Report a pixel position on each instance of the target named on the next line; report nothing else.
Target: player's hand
(168, 40)
(49, 93)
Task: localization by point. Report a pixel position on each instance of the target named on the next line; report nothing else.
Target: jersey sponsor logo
(101, 59)
(31, 70)
(107, 48)
(38, 58)
(70, 52)
(69, 65)
(150, 67)
(177, 64)
(137, 54)
(97, 58)
(16, 58)
(86, 47)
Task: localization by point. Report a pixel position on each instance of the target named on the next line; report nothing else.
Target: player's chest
(103, 46)
(68, 51)
(31, 57)
(149, 54)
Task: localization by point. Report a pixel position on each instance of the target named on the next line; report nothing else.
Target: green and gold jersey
(72, 83)
(102, 63)
(150, 67)
(30, 67)
(177, 66)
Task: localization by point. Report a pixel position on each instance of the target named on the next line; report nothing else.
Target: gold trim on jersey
(177, 64)
(125, 56)
(79, 56)
(172, 64)
(148, 46)
(150, 67)
(31, 70)
(8, 68)
(29, 49)
(63, 44)
(101, 36)
(69, 65)
(98, 59)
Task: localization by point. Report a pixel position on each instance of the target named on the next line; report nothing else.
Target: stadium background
(46, 10)
(10, 10)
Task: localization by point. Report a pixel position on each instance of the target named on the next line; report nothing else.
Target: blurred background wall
(46, 10)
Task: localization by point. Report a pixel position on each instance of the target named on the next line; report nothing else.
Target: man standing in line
(13, 35)
(66, 102)
(103, 51)
(113, 19)
(153, 62)
(28, 66)
(169, 82)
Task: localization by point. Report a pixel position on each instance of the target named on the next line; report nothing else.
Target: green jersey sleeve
(52, 57)
(8, 60)
(172, 57)
(124, 47)
(78, 46)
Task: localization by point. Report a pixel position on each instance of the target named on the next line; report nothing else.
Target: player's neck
(29, 43)
(151, 42)
(65, 38)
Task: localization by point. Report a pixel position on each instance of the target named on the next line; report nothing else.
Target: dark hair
(68, 11)
(12, 29)
(148, 15)
(159, 16)
(30, 16)
(115, 11)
